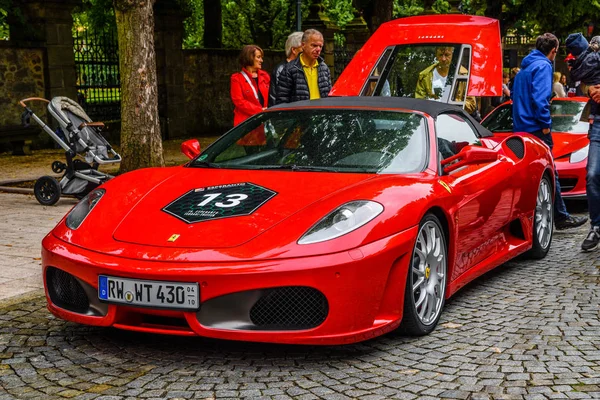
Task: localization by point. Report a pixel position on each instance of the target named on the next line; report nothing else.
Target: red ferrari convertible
(569, 133)
(352, 217)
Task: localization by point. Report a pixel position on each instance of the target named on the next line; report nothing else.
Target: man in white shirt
(433, 79)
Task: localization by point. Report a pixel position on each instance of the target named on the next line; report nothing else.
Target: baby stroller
(85, 150)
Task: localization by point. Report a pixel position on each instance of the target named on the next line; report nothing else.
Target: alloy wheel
(429, 273)
(544, 214)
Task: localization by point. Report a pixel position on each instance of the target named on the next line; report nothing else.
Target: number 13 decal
(232, 200)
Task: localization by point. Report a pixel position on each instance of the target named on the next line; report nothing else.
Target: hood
(567, 143)
(533, 57)
(216, 208)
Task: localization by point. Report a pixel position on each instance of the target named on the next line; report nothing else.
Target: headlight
(83, 208)
(579, 155)
(341, 221)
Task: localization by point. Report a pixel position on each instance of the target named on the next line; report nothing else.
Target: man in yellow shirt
(306, 77)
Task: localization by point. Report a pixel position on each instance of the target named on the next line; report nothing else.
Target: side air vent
(65, 291)
(516, 146)
(567, 184)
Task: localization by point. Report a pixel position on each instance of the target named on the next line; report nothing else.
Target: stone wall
(207, 73)
(21, 76)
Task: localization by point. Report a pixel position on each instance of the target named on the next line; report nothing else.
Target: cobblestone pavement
(527, 330)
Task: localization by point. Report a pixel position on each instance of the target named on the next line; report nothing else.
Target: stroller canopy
(84, 140)
(62, 106)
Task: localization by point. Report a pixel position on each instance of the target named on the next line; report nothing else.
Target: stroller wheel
(47, 190)
(58, 167)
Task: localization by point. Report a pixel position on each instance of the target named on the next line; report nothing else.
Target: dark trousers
(593, 173)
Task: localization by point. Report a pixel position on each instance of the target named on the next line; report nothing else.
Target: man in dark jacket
(307, 77)
(293, 47)
(531, 96)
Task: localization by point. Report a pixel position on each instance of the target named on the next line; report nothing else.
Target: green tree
(94, 16)
(4, 32)
(263, 22)
(532, 17)
(407, 8)
(194, 25)
(339, 11)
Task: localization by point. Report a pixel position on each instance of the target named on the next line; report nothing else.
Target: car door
(484, 190)
(409, 43)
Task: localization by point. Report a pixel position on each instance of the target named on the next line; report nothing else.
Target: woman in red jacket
(250, 92)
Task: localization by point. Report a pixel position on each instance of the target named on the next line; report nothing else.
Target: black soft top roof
(430, 107)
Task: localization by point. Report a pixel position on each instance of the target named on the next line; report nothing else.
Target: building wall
(207, 73)
(21, 76)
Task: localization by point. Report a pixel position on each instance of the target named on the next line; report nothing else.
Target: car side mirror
(191, 148)
(469, 155)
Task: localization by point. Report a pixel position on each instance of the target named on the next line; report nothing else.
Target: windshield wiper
(294, 167)
(204, 164)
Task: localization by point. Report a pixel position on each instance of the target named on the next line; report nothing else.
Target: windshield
(567, 117)
(336, 140)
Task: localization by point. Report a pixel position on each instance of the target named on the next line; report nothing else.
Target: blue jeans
(593, 173)
(560, 209)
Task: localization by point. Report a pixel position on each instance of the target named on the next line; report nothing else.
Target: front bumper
(363, 287)
(572, 178)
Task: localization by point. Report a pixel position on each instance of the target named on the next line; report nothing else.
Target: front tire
(425, 290)
(543, 222)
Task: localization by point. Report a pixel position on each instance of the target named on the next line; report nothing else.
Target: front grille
(290, 307)
(65, 291)
(516, 146)
(567, 184)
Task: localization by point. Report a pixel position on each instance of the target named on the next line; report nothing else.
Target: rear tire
(47, 190)
(425, 290)
(543, 221)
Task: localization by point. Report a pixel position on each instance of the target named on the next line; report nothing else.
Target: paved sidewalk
(23, 225)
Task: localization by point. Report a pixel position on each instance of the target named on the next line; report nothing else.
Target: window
(433, 71)
(373, 80)
(454, 133)
(567, 117)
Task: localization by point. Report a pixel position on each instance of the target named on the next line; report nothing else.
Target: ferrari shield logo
(445, 185)
(173, 237)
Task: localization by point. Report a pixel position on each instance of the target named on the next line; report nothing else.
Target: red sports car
(350, 218)
(569, 133)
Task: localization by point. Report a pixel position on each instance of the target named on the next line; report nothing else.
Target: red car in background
(569, 133)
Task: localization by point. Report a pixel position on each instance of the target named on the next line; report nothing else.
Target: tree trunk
(141, 142)
(213, 24)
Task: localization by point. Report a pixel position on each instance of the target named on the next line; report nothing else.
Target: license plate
(156, 294)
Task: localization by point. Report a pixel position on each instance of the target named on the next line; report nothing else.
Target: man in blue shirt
(531, 94)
